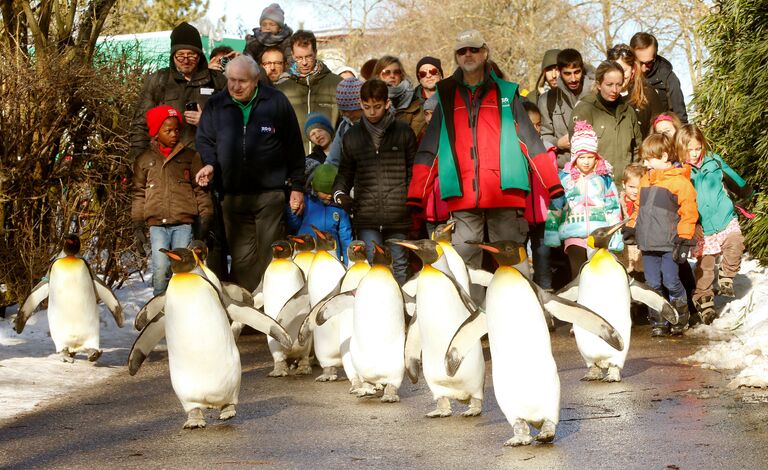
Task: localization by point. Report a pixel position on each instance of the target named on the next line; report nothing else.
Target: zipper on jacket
(244, 128)
(473, 117)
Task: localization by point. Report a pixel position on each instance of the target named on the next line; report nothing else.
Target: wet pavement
(662, 415)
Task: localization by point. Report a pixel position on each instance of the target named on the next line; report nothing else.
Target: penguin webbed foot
(328, 375)
(280, 370)
(356, 384)
(227, 412)
(365, 390)
(443, 409)
(304, 367)
(390, 394)
(475, 408)
(67, 355)
(195, 419)
(547, 432)
(93, 354)
(522, 434)
(613, 374)
(594, 373)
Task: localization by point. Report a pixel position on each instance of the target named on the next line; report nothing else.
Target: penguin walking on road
(604, 287)
(525, 378)
(73, 315)
(203, 358)
(442, 305)
(304, 247)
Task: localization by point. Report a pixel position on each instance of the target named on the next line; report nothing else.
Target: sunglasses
(648, 63)
(464, 50)
(432, 72)
(387, 72)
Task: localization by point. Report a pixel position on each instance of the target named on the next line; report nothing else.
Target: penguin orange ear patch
(278, 248)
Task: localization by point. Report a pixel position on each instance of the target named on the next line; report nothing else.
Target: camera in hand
(191, 106)
(224, 61)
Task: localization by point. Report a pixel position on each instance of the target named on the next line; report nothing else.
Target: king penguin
(304, 246)
(203, 358)
(525, 379)
(442, 305)
(605, 287)
(73, 292)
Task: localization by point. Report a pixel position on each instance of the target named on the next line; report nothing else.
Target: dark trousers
(253, 222)
(661, 270)
(577, 256)
(542, 268)
(216, 240)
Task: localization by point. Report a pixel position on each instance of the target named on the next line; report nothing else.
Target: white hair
(246, 62)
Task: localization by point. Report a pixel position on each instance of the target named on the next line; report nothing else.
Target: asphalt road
(662, 415)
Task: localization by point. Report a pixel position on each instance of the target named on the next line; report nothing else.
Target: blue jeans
(542, 269)
(399, 253)
(660, 269)
(169, 237)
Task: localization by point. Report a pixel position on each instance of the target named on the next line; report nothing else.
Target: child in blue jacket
(320, 211)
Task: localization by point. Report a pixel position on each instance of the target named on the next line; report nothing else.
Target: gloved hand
(204, 228)
(557, 203)
(628, 234)
(346, 203)
(681, 250)
(140, 237)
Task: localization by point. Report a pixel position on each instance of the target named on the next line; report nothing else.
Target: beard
(471, 68)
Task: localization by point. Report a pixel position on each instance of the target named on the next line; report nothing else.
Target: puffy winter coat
(169, 87)
(666, 208)
(326, 217)
(663, 79)
(715, 206)
(164, 189)
(380, 177)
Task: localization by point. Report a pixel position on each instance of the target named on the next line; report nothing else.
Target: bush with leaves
(732, 101)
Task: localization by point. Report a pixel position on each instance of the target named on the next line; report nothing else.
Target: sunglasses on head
(463, 50)
(387, 72)
(433, 71)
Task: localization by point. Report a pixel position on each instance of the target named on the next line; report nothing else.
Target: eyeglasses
(388, 72)
(306, 58)
(648, 63)
(464, 50)
(186, 57)
(432, 72)
(271, 64)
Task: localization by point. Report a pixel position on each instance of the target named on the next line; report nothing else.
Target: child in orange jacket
(664, 224)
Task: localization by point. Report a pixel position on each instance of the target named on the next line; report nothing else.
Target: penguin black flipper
(245, 313)
(644, 294)
(38, 294)
(150, 335)
(155, 306)
(571, 291)
(468, 334)
(480, 277)
(411, 286)
(310, 321)
(325, 313)
(413, 350)
(571, 312)
(298, 304)
(106, 295)
(237, 293)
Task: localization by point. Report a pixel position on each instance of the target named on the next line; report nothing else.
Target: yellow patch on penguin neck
(428, 270)
(69, 260)
(509, 271)
(602, 259)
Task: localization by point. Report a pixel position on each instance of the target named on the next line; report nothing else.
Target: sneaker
(706, 308)
(725, 286)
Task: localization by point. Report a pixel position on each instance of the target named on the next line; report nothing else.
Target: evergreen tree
(141, 16)
(732, 101)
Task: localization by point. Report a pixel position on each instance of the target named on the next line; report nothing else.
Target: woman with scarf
(390, 70)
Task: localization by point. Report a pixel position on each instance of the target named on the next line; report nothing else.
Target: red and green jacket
(486, 147)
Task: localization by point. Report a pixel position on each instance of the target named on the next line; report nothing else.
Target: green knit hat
(323, 178)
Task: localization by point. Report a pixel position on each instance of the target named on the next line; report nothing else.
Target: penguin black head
(282, 249)
(599, 238)
(381, 255)
(427, 250)
(325, 240)
(356, 251)
(182, 259)
(200, 249)
(505, 252)
(303, 242)
(444, 232)
(71, 245)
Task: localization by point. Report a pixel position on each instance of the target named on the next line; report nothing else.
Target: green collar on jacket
(246, 108)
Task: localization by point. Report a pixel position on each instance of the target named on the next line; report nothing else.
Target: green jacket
(314, 93)
(618, 137)
(715, 206)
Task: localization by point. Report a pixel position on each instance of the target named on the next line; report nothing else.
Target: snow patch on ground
(32, 372)
(740, 335)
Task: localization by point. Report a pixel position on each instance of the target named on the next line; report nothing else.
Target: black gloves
(140, 237)
(681, 250)
(628, 234)
(346, 203)
(204, 228)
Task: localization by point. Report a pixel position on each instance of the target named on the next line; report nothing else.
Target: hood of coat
(657, 176)
(661, 69)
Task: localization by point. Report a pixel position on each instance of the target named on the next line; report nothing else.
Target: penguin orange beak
(618, 226)
(277, 248)
(358, 248)
(318, 232)
(489, 248)
(378, 248)
(296, 239)
(405, 243)
(170, 254)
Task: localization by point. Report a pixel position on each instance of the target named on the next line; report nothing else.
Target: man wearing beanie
(272, 31)
(186, 85)
(322, 212)
(311, 86)
(348, 101)
(429, 71)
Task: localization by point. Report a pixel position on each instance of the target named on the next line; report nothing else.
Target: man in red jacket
(484, 150)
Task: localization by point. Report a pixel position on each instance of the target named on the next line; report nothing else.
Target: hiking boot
(725, 285)
(659, 331)
(706, 308)
(681, 305)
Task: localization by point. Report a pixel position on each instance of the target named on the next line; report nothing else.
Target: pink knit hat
(584, 141)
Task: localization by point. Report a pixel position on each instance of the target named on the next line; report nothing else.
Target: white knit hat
(584, 139)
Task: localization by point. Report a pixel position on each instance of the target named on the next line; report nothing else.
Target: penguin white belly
(345, 336)
(324, 275)
(282, 279)
(440, 312)
(202, 355)
(73, 316)
(524, 372)
(378, 338)
(604, 289)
